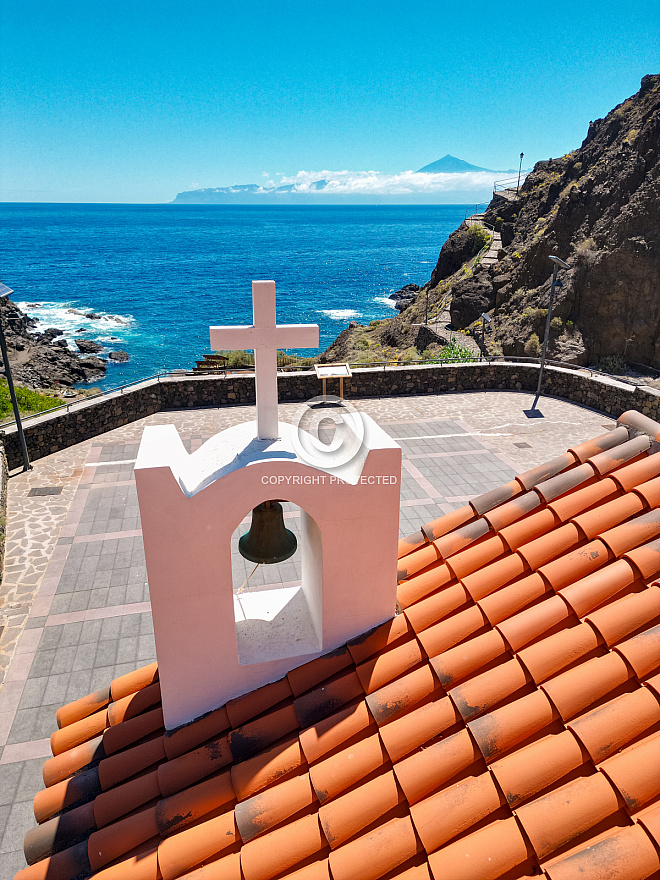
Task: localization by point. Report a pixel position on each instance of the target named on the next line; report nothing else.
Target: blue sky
(135, 101)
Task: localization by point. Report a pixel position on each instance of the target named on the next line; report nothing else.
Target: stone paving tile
(82, 550)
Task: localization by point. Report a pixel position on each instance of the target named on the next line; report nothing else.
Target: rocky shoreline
(43, 360)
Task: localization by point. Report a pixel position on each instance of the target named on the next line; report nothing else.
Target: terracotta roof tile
(375, 854)
(270, 807)
(452, 630)
(575, 690)
(619, 455)
(270, 765)
(380, 638)
(487, 854)
(642, 651)
(410, 543)
(486, 502)
(330, 733)
(526, 626)
(499, 731)
(528, 771)
(337, 773)
(492, 577)
(633, 475)
(634, 772)
(616, 723)
(414, 729)
(574, 503)
(564, 814)
(436, 607)
(594, 589)
(501, 517)
(421, 585)
(553, 488)
(467, 658)
(192, 804)
(520, 665)
(510, 600)
(454, 810)
(619, 619)
(249, 706)
(591, 448)
(323, 700)
(638, 422)
(486, 691)
(188, 848)
(627, 854)
(417, 561)
(425, 771)
(444, 524)
(395, 699)
(310, 674)
(351, 813)
(383, 668)
(543, 472)
(549, 656)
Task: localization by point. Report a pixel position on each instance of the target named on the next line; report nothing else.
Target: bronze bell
(268, 541)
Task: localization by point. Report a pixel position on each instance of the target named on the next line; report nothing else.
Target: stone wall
(49, 433)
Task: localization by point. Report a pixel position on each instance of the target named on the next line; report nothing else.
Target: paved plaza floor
(75, 605)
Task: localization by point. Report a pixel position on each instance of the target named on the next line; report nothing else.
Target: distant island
(448, 180)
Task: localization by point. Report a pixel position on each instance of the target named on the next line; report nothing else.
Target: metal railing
(508, 182)
(305, 368)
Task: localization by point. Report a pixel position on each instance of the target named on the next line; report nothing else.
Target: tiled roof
(504, 724)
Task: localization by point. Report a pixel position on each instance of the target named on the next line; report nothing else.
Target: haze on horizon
(128, 102)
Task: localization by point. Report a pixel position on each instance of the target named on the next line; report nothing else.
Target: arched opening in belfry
(278, 607)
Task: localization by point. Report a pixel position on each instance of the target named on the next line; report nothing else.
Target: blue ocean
(159, 275)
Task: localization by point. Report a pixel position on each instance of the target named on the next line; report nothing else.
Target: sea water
(159, 275)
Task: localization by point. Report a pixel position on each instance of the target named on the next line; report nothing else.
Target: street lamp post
(4, 293)
(519, 170)
(557, 263)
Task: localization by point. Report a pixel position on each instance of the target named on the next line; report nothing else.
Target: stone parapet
(50, 433)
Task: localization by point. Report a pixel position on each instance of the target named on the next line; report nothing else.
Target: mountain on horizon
(450, 165)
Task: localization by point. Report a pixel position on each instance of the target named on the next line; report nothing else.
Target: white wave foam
(385, 300)
(72, 319)
(339, 314)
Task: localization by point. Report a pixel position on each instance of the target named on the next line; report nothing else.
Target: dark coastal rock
(93, 316)
(87, 346)
(43, 360)
(405, 297)
(51, 333)
(470, 298)
(461, 246)
(119, 356)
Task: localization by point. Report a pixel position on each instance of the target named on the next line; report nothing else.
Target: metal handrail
(507, 182)
(449, 361)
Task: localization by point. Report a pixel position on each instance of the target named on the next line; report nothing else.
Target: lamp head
(561, 262)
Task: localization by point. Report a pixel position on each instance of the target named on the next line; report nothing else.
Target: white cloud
(377, 183)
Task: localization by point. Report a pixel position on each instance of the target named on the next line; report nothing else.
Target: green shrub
(615, 364)
(556, 325)
(28, 401)
(479, 236)
(533, 346)
(454, 351)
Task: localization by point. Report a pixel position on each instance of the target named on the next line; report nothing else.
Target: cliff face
(598, 208)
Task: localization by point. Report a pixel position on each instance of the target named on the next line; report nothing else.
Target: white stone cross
(264, 337)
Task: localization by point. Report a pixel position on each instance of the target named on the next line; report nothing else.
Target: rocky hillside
(43, 360)
(598, 208)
